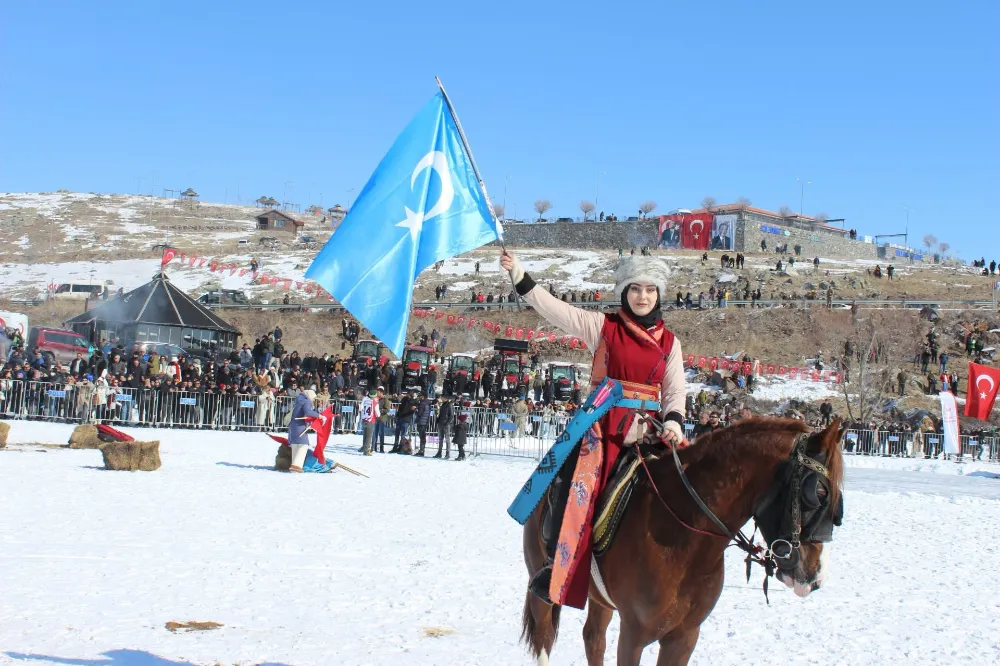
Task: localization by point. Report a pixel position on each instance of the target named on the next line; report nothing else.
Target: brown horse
(663, 578)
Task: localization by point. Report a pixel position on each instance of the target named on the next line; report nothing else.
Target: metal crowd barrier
(884, 443)
(491, 431)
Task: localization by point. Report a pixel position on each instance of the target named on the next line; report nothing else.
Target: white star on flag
(982, 396)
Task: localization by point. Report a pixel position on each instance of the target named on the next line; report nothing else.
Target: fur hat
(649, 270)
(309, 393)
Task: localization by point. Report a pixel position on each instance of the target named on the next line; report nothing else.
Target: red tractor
(416, 361)
(461, 375)
(367, 356)
(564, 382)
(511, 378)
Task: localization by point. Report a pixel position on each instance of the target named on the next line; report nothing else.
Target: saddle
(614, 499)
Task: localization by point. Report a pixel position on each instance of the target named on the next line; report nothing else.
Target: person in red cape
(634, 347)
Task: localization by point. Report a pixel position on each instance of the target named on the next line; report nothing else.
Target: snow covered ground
(421, 565)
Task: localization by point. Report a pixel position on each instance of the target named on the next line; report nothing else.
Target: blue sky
(882, 105)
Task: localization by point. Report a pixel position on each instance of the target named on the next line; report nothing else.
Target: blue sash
(606, 395)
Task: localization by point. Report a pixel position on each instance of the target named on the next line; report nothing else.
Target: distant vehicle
(308, 240)
(367, 354)
(460, 374)
(242, 243)
(564, 219)
(224, 297)
(564, 381)
(416, 360)
(57, 344)
(511, 378)
(80, 290)
(157, 348)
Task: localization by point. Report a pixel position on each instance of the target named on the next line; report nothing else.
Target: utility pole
(597, 199)
(802, 192)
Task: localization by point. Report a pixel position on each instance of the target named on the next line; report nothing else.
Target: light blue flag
(423, 204)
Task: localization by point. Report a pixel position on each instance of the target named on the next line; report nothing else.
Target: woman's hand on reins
(669, 437)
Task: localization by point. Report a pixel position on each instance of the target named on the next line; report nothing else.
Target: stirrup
(540, 582)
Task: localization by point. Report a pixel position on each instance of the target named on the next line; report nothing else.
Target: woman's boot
(552, 518)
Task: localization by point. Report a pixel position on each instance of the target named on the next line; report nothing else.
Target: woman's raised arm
(584, 324)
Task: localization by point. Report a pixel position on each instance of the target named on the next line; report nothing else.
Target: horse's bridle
(790, 478)
(801, 477)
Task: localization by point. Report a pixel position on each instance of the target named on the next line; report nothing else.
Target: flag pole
(475, 170)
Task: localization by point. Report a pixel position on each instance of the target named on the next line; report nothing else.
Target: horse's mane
(764, 436)
(768, 436)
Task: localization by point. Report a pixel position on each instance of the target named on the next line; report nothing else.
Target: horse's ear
(828, 438)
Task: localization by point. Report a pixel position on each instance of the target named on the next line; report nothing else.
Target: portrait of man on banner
(723, 232)
(670, 232)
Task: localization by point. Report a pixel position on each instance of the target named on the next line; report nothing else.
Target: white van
(80, 290)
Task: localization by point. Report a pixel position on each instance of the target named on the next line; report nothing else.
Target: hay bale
(4, 431)
(85, 437)
(131, 456)
(283, 461)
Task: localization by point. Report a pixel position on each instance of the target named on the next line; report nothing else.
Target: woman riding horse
(634, 347)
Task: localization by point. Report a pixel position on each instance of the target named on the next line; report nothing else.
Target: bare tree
(542, 206)
(822, 217)
(744, 202)
(944, 247)
(785, 211)
(647, 207)
(586, 208)
(708, 203)
(867, 362)
(930, 241)
(498, 211)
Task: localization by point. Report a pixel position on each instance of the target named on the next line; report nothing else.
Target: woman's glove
(510, 264)
(670, 437)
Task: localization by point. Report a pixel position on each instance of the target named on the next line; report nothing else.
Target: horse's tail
(539, 626)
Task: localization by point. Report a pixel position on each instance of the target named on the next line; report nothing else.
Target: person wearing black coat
(459, 436)
(444, 422)
(423, 418)
(404, 415)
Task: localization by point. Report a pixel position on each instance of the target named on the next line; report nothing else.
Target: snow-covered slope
(421, 565)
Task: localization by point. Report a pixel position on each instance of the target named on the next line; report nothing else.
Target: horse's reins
(755, 554)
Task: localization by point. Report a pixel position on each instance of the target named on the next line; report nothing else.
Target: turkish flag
(702, 361)
(782, 371)
(519, 333)
(583, 345)
(696, 232)
(573, 342)
(690, 360)
(168, 255)
(747, 368)
(725, 364)
(713, 363)
(439, 315)
(509, 331)
(322, 427)
(451, 320)
(981, 390)
(530, 335)
(770, 369)
(793, 373)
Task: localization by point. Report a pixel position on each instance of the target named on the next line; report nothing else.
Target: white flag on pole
(949, 422)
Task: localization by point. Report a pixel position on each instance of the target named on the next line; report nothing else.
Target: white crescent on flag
(987, 378)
